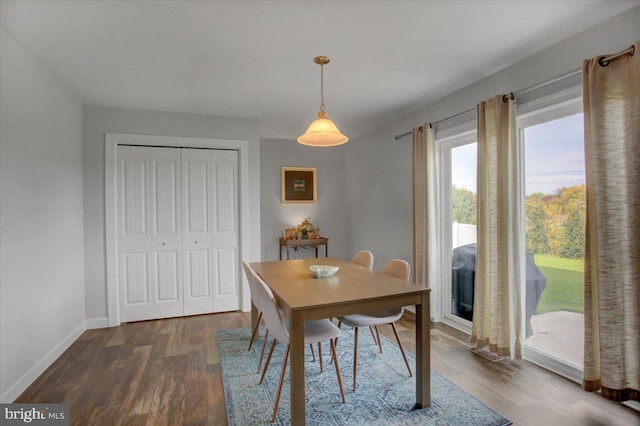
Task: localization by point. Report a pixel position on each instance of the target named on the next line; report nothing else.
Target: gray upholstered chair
(399, 269)
(314, 331)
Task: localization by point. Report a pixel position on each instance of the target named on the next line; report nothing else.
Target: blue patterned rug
(385, 394)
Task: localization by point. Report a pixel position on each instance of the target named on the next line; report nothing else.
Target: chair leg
(284, 369)
(375, 342)
(379, 341)
(355, 357)
(320, 356)
(313, 353)
(266, 364)
(406, 361)
(255, 330)
(264, 345)
(335, 361)
(335, 343)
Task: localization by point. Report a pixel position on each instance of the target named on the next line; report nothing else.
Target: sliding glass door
(554, 186)
(555, 224)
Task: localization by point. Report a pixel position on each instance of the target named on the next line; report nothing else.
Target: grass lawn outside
(565, 284)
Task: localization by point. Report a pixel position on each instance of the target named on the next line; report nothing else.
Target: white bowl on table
(323, 271)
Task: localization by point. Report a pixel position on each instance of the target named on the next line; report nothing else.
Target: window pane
(555, 222)
(463, 228)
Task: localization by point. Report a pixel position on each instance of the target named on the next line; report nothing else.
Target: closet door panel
(225, 235)
(197, 175)
(166, 235)
(149, 247)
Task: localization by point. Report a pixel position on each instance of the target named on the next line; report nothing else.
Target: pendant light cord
(322, 87)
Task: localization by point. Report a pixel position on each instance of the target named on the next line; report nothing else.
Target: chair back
(398, 268)
(363, 258)
(264, 300)
(253, 285)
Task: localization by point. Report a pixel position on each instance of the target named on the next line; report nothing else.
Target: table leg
(423, 353)
(296, 337)
(316, 251)
(287, 252)
(280, 251)
(326, 250)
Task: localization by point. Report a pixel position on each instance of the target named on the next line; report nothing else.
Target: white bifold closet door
(177, 232)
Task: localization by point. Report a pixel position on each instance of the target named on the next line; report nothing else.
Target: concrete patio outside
(560, 334)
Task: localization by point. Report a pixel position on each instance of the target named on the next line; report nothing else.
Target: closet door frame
(112, 140)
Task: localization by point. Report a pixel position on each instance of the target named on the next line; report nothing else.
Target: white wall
(329, 213)
(378, 176)
(41, 251)
(98, 121)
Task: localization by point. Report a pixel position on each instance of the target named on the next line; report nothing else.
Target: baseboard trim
(30, 376)
(94, 323)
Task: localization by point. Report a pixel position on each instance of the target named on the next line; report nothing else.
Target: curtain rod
(520, 92)
(453, 117)
(605, 60)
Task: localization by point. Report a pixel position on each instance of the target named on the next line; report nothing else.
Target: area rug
(385, 394)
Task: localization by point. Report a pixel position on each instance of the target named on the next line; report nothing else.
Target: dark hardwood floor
(168, 372)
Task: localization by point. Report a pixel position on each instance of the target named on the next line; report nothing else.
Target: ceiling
(255, 58)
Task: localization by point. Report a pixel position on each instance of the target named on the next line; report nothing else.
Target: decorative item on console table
(305, 228)
(303, 231)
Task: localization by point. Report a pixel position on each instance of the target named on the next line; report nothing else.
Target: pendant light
(322, 132)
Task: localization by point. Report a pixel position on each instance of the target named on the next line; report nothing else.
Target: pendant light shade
(322, 131)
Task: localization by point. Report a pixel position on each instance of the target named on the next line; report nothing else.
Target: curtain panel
(497, 308)
(425, 212)
(611, 96)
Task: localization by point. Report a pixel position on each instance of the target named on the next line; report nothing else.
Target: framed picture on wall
(299, 185)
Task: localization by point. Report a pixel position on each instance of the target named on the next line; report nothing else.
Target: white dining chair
(248, 271)
(397, 268)
(314, 332)
(363, 258)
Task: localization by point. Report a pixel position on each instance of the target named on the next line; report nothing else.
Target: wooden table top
(353, 289)
(293, 284)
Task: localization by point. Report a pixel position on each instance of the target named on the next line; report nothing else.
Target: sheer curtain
(497, 302)
(611, 93)
(425, 213)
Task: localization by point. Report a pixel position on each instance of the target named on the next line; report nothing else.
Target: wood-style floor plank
(167, 372)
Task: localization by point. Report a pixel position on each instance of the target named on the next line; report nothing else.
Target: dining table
(353, 289)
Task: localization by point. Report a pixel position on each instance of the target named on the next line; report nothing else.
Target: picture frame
(299, 185)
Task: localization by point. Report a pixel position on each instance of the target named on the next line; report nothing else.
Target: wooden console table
(315, 242)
